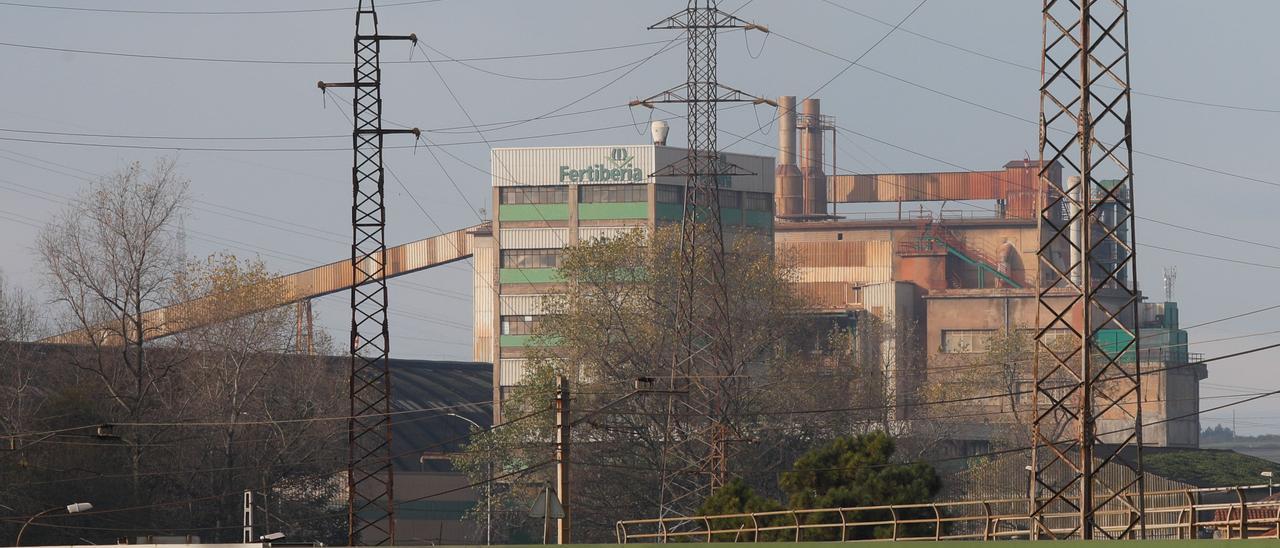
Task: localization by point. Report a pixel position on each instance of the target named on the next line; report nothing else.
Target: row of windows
(534, 195)
(608, 194)
(667, 194)
(520, 325)
(612, 194)
(751, 201)
(531, 258)
(757, 201)
(966, 341)
(976, 341)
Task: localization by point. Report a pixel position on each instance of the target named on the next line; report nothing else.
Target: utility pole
(1087, 279)
(246, 512)
(695, 456)
(563, 429)
(370, 481)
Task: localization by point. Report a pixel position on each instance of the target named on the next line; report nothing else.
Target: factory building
(949, 256)
(545, 199)
(955, 262)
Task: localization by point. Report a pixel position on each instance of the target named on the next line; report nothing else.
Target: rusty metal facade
(826, 271)
(1018, 186)
(299, 286)
(1085, 127)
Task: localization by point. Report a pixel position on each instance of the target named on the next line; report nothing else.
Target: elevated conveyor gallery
(308, 284)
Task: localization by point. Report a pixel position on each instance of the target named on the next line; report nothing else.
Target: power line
(1011, 115)
(205, 12)
(1016, 64)
(527, 78)
(248, 61)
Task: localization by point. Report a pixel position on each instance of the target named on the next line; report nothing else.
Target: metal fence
(1224, 512)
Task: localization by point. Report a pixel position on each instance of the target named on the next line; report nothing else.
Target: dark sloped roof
(436, 388)
(428, 386)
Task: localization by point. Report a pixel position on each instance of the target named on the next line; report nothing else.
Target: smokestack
(815, 181)
(658, 130)
(788, 183)
(1076, 233)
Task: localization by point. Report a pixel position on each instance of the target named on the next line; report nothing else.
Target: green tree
(736, 497)
(856, 471)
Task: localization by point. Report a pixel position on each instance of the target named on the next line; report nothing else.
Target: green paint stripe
(529, 275)
(610, 211)
(762, 219)
(669, 212)
(526, 340)
(533, 212)
(730, 216)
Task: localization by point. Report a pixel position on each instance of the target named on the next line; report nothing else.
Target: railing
(1232, 516)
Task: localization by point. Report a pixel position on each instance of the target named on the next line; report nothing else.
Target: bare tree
(618, 324)
(19, 322)
(245, 377)
(108, 257)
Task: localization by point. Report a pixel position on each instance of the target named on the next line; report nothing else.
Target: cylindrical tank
(1113, 215)
(1075, 234)
(788, 183)
(658, 130)
(815, 181)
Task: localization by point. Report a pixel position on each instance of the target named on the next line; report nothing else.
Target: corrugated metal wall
(512, 371)
(760, 166)
(522, 305)
(909, 187)
(827, 269)
(484, 292)
(541, 165)
(588, 233)
(533, 238)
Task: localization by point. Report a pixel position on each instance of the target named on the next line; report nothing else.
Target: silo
(815, 180)
(788, 182)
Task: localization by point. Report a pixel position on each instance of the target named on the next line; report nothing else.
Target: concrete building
(545, 199)
(955, 260)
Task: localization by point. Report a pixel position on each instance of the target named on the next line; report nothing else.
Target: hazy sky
(291, 208)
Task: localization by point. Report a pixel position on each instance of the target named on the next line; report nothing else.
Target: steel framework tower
(695, 458)
(1087, 367)
(370, 482)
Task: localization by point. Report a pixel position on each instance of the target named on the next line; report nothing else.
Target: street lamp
(71, 509)
(488, 486)
(1270, 479)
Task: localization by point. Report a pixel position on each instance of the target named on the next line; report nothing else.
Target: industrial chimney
(659, 129)
(815, 181)
(788, 183)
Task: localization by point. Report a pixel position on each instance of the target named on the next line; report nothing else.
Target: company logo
(618, 168)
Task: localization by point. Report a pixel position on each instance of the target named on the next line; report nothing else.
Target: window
(531, 258)
(534, 195)
(966, 341)
(757, 201)
(729, 199)
(612, 194)
(1059, 336)
(520, 325)
(668, 194)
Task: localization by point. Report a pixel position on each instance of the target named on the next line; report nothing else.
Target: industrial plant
(789, 350)
(958, 275)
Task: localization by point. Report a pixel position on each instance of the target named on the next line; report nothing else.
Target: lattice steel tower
(370, 482)
(1087, 432)
(696, 452)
